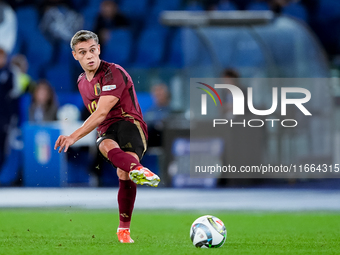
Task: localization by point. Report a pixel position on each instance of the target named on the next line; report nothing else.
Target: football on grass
(208, 232)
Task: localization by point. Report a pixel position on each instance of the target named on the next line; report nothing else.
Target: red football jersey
(112, 79)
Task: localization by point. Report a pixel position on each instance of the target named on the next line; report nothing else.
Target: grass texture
(75, 231)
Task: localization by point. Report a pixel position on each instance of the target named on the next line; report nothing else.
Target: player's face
(87, 53)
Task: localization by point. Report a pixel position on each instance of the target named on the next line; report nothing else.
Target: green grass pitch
(75, 231)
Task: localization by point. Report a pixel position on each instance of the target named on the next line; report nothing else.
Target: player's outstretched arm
(105, 104)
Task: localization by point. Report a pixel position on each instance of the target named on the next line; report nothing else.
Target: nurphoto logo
(239, 104)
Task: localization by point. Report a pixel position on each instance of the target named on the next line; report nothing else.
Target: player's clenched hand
(64, 142)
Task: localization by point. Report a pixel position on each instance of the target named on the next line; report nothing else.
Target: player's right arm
(105, 104)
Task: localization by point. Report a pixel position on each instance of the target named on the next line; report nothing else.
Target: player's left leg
(127, 136)
(126, 192)
(126, 200)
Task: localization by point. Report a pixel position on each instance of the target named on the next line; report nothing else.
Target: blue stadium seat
(249, 58)
(38, 52)
(258, 6)
(89, 15)
(194, 51)
(176, 50)
(27, 20)
(80, 4)
(282, 53)
(19, 44)
(168, 5)
(90, 12)
(296, 10)
(242, 4)
(60, 78)
(226, 6)
(144, 100)
(118, 47)
(34, 71)
(70, 98)
(24, 104)
(93, 4)
(64, 54)
(194, 6)
(249, 54)
(39, 49)
(134, 9)
(328, 10)
(27, 23)
(150, 48)
(158, 8)
(152, 20)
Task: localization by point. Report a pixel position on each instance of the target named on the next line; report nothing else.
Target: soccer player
(109, 95)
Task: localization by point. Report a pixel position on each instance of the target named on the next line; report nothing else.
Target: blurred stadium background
(258, 39)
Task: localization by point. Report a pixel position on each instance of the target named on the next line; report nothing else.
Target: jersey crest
(97, 89)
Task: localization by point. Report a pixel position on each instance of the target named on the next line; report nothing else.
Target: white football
(208, 232)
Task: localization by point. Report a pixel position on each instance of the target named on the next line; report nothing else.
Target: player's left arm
(105, 104)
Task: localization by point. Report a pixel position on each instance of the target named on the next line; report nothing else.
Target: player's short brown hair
(83, 36)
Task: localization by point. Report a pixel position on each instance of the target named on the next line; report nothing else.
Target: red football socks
(126, 200)
(127, 188)
(122, 160)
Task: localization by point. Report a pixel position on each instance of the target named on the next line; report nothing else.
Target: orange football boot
(142, 175)
(124, 236)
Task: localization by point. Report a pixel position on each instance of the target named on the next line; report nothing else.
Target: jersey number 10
(92, 107)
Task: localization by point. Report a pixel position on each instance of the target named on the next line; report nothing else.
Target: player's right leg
(126, 162)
